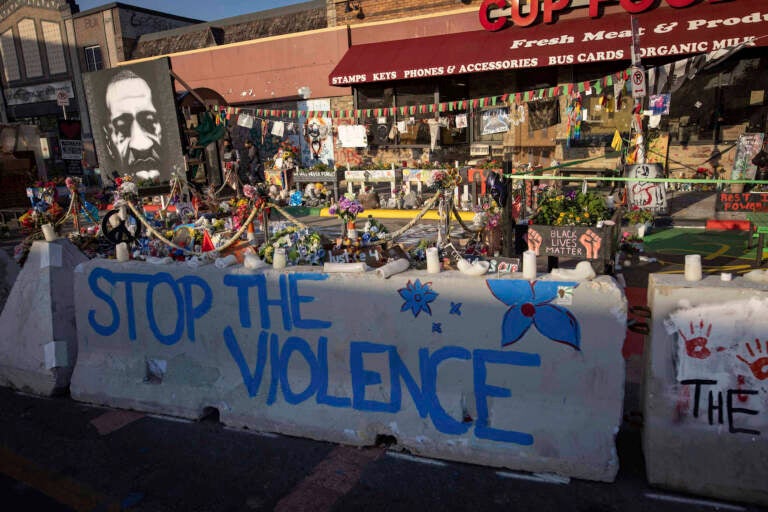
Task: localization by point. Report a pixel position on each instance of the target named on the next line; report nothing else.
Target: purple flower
(531, 304)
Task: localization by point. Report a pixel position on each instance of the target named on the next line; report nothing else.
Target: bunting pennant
(223, 114)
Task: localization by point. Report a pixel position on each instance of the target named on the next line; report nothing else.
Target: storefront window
(603, 110)
(406, 128)
(720, 103)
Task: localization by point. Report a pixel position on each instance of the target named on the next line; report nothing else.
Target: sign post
(62, 99)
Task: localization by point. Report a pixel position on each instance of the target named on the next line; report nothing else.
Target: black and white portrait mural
(134, 120)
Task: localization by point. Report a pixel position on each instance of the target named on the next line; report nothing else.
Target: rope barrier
(288, 216)
(461, 222)
(399, 232)
(185, 250)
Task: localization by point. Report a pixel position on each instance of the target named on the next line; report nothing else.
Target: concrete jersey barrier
(496, 371)
(38, 345)
(706, 387)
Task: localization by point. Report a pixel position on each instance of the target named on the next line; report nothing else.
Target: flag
(207, 242)
(617, 143)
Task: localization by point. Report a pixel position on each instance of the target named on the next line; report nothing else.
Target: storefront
(559, 90)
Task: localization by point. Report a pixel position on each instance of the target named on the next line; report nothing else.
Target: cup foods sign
(491, 19)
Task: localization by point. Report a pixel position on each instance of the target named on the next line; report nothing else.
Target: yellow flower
(586, 214)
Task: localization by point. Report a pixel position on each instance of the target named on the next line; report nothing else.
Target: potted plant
(640, 220)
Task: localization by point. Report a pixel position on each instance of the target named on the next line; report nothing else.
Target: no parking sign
(637, 76)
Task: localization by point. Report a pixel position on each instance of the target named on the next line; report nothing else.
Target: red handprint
(759, 366)
(534, 240)
(696, 346)
(591, 242)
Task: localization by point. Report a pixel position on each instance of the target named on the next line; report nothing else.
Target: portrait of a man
(134, 121)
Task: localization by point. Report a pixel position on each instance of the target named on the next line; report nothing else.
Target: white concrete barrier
(706, 387)
(500, 372)
(38, 343)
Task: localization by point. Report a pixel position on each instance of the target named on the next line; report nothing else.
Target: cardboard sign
(503, 265)
(744, 202)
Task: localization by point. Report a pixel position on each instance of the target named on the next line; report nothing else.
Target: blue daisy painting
(530, 303)
(417, 297)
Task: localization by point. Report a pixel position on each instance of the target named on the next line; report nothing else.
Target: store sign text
(546, 9)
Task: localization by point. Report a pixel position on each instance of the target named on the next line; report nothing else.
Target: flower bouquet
(347, 209)
(570, 209)
(302, 246)
(638, 216)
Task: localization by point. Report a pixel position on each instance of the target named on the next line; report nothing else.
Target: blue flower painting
(417, 297)
(530, 303)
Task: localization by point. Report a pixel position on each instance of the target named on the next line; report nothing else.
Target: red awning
(664, 32)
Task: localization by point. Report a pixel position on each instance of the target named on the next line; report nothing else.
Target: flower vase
(351, 230)
(642, 229)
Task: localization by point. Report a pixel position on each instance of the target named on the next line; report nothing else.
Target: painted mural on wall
(722, 364)
(317, 141)
(647, 195)
(134, 121)
(273, 326)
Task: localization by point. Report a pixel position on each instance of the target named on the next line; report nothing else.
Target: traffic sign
(637, 76)
(62, 98)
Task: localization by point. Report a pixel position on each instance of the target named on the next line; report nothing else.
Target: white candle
(465, 196)
(418, 187)
(278, 259)
(433, 260)
(121, 251)
(329, 267)
(114, 220)
(693, 267)
(123, 212)
(529, 265)
(49, 233)
(726, 276)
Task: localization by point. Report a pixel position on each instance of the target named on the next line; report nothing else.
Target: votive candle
(529, 265)
(433, 260)
(121, 252)
(693, 267)
(49, 233)
(278, 259)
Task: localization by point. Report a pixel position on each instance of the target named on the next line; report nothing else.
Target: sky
(206, 10)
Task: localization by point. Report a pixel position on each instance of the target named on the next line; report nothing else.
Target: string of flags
(225, 114)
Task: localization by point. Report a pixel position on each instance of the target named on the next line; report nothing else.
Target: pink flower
(249, 191)
(69, 182)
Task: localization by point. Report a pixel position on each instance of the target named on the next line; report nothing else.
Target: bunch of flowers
(570, 209)
(302, 246)
(126, 189)
(703, 173)
(347, 209)
(374, 229)
(487, 214)
(637, 215)
(44, 210)
(288, 149)
(445, 179)
(491, 164)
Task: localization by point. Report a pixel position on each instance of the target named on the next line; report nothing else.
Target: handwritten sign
(502, 265)
(564, 242)
(744, 202)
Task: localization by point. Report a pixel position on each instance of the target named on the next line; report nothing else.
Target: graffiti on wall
(721, 363)
(644, 194)
(271, 329)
